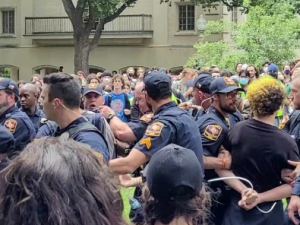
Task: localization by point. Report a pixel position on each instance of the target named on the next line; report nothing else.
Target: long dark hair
(55, 181)
(195, 210)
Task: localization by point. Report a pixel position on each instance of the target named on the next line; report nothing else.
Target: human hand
(294, 206)
(105, 111)
(127, 112)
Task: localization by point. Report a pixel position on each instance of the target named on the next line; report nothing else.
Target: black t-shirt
(259, 152)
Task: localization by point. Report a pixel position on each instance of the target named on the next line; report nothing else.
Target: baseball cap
(171, 167)
(9, 84)
(157, 83)
(95, 88)
(7, 140)
(202, 82)
(223, 85)
(106, 73)
(272, 68)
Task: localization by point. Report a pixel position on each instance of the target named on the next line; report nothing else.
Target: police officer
(213, 127)
(15, 121)
(7, 145)
(169, 125)
(29, 104)
(61, 98)
(93, 97)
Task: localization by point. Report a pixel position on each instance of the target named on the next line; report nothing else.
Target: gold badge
(92, 86)
(154, 130)
(147, 117)
(286, 119)
(99, 156)
(146, 142)
(11, 125)
(212, 132)
(229, 81)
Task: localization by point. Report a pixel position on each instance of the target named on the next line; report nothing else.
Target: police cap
(223, 85)
(93, 88)
(9, 84)
(157, 83)
(202, 82)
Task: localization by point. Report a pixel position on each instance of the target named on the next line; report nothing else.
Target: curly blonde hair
(265, 96)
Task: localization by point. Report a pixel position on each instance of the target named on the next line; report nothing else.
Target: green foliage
(5, 72)
(271, 32)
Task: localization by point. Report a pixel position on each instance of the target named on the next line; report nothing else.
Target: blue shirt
(118, 104)
(35, 118)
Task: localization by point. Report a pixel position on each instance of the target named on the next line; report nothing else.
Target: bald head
(139, 87)
(30, 88)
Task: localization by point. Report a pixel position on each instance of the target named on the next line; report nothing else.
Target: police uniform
(213, 127)
(17, 122)
(139, 127)
(169, 123)
(7, 144)
(38, 118)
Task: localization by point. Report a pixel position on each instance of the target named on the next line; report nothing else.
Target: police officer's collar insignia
(286, 118)
(11, 125)
(212, 132)
(154, 130)
(147, 117)
(92, 86)
(65, 135)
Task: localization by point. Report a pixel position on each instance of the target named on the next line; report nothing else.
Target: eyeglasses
(231, 95)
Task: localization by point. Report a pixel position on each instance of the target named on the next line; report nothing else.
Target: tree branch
(118, 11)
(70, 9)
(80, 9)
(97, 35)
(235, 3)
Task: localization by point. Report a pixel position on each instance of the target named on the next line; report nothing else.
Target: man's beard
(228, 109)
(3, 107)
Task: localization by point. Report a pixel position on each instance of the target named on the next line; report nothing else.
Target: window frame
(187, 18)
(2, 11)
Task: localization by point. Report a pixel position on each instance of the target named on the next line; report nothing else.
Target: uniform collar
(219, 114)
(74, 123)
(8, 111)
(36, 113)
(165, 106)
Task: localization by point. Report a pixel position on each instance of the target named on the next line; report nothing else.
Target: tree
(271, 32)
(83, 23)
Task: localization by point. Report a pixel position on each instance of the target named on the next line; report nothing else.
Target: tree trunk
(82, 54)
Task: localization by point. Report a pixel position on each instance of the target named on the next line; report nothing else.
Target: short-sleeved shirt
(139, 127)
(259, 152)
(171, 125)
(118, 104)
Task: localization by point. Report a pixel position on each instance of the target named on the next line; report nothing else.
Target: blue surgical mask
(244, 80)
(287, 72)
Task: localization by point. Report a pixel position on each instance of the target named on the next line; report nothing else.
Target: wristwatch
(110, 116)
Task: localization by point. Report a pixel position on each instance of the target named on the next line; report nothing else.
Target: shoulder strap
(86, 126)
(109, 98)
(127, 102)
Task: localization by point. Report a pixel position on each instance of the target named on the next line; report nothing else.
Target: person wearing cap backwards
(213, 127)
(61, 97)
(17, 122)
(174, 180)
(169, 125)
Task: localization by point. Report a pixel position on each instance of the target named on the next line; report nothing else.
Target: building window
(8, 21)
(234, 17)
(186, 17)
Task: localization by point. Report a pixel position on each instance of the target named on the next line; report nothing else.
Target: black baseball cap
(223, 85)
(9, 84)
(202, 82)
(7, 140)
(157, 83)
(171, 167)
(93, 88)
(106, 73)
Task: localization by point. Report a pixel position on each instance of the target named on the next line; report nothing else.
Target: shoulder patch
(11, 125)
(212, 132)
(154, 129)
(286, 118)
(147, 117)
(146, 142)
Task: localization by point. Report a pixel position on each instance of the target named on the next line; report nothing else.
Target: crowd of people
(205, 147)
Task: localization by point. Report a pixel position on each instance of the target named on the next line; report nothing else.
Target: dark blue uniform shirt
(36, 118)
(19, 124)
(139, 127)
(90, 138)
(171, 125)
